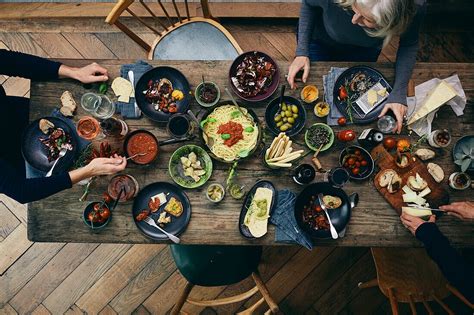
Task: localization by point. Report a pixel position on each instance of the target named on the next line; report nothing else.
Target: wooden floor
(44, 278)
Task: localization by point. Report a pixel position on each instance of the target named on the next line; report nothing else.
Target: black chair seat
(209, 266)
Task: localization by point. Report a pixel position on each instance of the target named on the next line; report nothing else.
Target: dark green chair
(210, 266)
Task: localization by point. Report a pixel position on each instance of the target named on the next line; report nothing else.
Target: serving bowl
(364, 170)
(324, 147)
(272, 109)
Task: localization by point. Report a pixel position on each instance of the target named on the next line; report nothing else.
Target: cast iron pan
(347, 75)
(179, 82)
(244, 230)
(177, 224)
(36, 153)
(272, 109)
(339, 217)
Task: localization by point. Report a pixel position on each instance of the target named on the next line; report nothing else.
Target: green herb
(84, 157)
(249, 129)
(212, 120)
(243, 153)
(225, 136)
(417, 143)
(235, 114)
(103, 88)
(203, 123)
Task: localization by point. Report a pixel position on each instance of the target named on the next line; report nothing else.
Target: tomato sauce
(142, 142)
(233, 129)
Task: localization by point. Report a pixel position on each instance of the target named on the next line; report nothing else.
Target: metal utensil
(237, 105)
(61, 154)
(135, 155)
(151, 222)
(131, 78)
(413, 205)
(282, 95)
(118, 199)
(210, 140)
(334, 234)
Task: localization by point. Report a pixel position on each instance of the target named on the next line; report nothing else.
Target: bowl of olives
(288, 117)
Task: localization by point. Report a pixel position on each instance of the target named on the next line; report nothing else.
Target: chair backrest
(124, 6)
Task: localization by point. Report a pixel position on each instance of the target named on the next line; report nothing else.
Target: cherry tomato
(318, 208)
(90, 216)
(357, 164)
(106, 197)
(363, 163)
(346, 164)
(355, 171)
(389, 143)
(351, 161)
(342, 121)
(343, 93)
(403, 145)
(96, 207)
(173, 109)
(346, 135)
(154, 205)
(105, 213)
(357, 152)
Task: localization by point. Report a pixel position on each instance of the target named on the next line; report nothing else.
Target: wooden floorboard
(56, 278)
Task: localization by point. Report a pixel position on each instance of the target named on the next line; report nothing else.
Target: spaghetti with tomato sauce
(234, 130)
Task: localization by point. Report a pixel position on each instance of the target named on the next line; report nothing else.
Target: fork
(61, 154)
(151, 222)
(334, 234)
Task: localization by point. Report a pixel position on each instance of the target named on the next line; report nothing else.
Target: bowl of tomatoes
(357, 161)
(98, 214)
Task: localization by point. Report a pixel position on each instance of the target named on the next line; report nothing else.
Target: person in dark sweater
(14, 117)
(356, 30)
(452, 265)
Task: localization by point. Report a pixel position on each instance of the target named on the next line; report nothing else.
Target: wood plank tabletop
(373, 222)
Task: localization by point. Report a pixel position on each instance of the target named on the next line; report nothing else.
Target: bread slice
(68, 104)
(386, 177)
(174, 207)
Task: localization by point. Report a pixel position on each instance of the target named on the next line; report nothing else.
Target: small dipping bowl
(212, 187)
(199, 90)
(309, 94)
(96, 226)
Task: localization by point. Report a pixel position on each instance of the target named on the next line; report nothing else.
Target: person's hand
(300, 62)
(413, 223)
(106, 166)
(87, 74)
(399, 110)
(463, 210)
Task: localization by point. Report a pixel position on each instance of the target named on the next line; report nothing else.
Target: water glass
(386, 124)
(98, 105)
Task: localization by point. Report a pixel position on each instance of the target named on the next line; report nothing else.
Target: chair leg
(443, 305)
(393, 302)
(264, 291)
(428, 308)
(412, 305)
(182, 299)
(458, 294)
(368, 284)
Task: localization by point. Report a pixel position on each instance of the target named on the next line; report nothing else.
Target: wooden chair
(220, 265)
(408, 275)
(189, 38)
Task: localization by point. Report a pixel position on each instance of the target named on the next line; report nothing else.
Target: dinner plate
(244, 230)
(176, 169)
(177, 79)
(177, 224)
(36, 153)
(467, 141)
(345, 78)
(272, 109)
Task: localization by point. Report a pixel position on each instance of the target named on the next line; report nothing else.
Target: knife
(424, 208)
(131, 78)
(411, 98)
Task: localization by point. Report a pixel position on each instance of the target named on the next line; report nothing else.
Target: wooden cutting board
(438, 196)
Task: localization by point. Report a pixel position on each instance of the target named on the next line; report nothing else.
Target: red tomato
(106, 197)
(355, 171)
(363, 163)
(343, 93)
(357, 164)
(173, 109)
(351, 161)
(318, 208)
(346, 135)
(342, 121)
(96, 207)
(357, 152)
(90, 216)
(389, 143)
(105, 213)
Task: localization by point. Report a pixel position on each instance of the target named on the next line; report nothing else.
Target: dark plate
(255, 119)
(270, 90)
(466, 140)
(179, 82)
(36, 153)
(339, 217)
(272, 109)
(347, 75)
(365, 171)
(248, 199)
(177, 225)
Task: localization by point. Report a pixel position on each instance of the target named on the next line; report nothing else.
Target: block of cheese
(416, 212)
(437, 97)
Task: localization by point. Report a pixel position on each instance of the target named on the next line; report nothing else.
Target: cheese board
(412, 183)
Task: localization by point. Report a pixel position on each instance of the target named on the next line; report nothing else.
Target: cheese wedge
(256, 219)
(441, 94)
(416, 212)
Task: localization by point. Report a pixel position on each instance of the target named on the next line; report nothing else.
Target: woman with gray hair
(356, 30)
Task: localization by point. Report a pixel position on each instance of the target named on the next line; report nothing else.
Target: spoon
(135, 155)
(334, 234)
(282, 95)
(238, 107)
(61, 154)
(210, 140)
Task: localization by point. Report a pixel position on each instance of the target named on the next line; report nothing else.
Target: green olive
(294, 109)
(295, 116)
(280, 123)
(288, 113)
(285, 119)
(291, 120)
(277, 118)
(284, 127)
(283, 106)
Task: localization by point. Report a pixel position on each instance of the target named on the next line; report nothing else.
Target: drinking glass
(90, 102)
(105, 109)
(386, 124)
(89, 128)
(180, 126)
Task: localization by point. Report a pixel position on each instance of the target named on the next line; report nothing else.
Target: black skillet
(339, 217)
(36, 153)
(176, 78)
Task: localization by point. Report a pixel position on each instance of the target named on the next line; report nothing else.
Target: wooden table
(373, 222)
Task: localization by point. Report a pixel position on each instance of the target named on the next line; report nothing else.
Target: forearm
(449, 261)
(405, 62)
(27, 66)
(305, 29)
(80, 174)
(68, 72)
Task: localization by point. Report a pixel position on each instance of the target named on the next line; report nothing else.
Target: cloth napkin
(328, 82)
(127, 110)
(458, 103)
(32, 172)
(287, 230)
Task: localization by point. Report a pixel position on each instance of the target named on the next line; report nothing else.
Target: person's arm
(27, 66)
(305, 28)
(451, 264)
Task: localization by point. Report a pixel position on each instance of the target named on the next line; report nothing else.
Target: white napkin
(458, 103)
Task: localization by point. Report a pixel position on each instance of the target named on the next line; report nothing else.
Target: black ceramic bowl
(94, 226)
(364, 170)
(272, 109)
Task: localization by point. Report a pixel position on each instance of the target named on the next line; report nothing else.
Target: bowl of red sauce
(141, 146)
